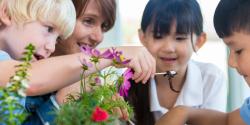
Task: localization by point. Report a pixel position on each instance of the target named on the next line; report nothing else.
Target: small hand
(175, 116)
(121, 112)
(142, 62)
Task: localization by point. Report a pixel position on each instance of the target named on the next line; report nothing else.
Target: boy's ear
(141, 37)
(4, 17)
(201, 39)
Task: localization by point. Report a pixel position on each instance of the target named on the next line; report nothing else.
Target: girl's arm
(181, 115)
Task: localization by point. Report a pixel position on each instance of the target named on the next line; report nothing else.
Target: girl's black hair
(232, 16)
(138, 98)
(161, 14)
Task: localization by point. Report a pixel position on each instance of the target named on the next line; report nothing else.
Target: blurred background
(214, 51)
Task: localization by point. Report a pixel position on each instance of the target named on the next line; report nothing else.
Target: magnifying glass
(169, 74)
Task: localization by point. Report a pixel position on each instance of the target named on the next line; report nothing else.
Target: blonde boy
(40, 22)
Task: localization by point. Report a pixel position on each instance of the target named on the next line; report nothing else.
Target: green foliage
(79, 109)
(11, 111)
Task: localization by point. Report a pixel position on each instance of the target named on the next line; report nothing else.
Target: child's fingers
(124, 114)
(144, 70)
(144, 66)
(116, 110)
(124, 111)
(148, 67)
(135, 65)
(153, 64)
(150, 62)
(120, 112)
(145, 79)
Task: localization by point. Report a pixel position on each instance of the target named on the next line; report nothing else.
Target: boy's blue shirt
(245, 111)
(4, 56)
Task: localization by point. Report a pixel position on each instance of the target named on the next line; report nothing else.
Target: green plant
(11, 111)
(96, 106)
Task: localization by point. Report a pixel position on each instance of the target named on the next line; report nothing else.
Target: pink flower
(124, 88)
(107, 54)
(99, 115)
(98, 81)
(119, 58)
(95, 54)
(85, 64)
(86, 49)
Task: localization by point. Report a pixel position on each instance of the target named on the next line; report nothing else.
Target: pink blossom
(124, 88)
(85, 64)
(119, 58)
(97, 81)
(107, 54)
(86, 49)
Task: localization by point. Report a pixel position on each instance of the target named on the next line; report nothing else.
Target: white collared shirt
(205, 87)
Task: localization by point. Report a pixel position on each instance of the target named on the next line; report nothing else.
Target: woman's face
(89, 31)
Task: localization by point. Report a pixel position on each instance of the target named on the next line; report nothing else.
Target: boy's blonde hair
(61, 13)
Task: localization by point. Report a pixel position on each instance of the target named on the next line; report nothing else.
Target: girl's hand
(175, 116)
(142, 62)
(122, 113)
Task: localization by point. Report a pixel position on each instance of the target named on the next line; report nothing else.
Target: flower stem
(82, 81)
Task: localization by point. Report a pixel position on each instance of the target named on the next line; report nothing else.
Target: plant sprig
(11, 111)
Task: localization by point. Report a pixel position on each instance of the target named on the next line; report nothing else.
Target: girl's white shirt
(205, 87)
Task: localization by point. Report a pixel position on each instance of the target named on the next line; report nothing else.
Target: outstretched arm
(54, 73)
(50, 74)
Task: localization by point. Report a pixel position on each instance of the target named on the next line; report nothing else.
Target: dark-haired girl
(172, 30)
